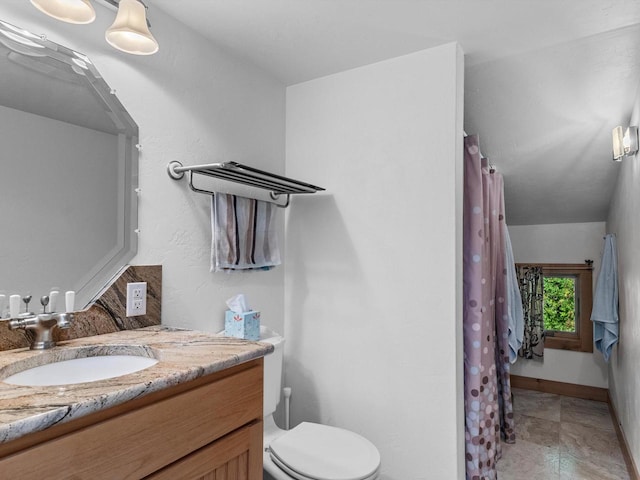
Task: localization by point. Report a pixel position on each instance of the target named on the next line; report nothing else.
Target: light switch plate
(136, 299)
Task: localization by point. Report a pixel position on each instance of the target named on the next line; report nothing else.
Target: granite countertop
(183, 355)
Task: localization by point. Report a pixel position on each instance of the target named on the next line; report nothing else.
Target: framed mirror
(69, 161)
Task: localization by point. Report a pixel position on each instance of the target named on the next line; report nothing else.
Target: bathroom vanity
(197, 412)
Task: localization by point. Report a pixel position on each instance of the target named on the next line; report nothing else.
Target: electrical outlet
(136, 299)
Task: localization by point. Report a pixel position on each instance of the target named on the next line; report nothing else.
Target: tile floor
(561, 438)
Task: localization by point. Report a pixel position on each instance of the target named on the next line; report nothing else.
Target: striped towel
(243, 234)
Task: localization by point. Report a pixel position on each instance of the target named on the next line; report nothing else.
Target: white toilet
(309, 451)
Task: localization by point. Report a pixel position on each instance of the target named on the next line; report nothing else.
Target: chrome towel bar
(243, 174)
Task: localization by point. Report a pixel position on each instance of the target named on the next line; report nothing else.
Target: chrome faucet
(42, 323)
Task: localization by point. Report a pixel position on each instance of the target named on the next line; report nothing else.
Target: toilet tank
(272, 369)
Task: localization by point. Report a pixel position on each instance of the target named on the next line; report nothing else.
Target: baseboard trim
(624, 446)
(560, 388)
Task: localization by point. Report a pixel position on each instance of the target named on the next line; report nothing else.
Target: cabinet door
(237, 456)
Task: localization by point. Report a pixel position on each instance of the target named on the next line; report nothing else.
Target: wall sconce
(129, 32)
(624, 144)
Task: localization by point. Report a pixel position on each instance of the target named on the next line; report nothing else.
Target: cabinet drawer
(237, 456)
(142, 441)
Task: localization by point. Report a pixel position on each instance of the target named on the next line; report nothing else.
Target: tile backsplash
(106, 315)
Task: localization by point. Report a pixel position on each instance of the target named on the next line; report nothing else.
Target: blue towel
(604, 314)
(514, 302)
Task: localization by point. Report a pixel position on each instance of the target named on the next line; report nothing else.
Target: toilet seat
(312, 451)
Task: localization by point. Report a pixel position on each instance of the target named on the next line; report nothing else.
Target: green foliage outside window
(559, 304)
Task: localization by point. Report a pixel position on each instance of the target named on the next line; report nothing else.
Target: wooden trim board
(560, 388)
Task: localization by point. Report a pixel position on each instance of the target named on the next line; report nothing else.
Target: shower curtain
(487, 389)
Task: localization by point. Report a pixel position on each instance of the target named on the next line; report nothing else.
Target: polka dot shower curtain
(487, 401)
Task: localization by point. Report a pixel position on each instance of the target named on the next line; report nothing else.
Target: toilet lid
(320, 452)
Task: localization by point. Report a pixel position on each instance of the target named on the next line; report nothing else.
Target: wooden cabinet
(209, 428)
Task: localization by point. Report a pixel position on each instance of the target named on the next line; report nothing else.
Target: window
(567, 306)
(560, 303)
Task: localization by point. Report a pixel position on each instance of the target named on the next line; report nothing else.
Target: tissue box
(242, 325)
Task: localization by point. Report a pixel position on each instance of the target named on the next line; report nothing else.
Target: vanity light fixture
(129, 32)
(624, 143)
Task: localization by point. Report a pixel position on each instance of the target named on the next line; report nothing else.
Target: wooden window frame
(582, 339)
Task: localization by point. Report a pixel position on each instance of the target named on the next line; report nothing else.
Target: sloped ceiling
(545, 81)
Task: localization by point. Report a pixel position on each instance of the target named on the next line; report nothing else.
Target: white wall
(561, 243)
(373, 281)
(623, 220)
(196, 103)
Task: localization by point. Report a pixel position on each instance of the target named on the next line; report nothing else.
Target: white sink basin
(80, 370)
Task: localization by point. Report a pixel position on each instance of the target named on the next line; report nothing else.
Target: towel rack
(238, 173)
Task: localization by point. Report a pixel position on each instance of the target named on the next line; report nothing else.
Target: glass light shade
(70, 11)
(630, 141)
(618, 146)
(130, 32)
